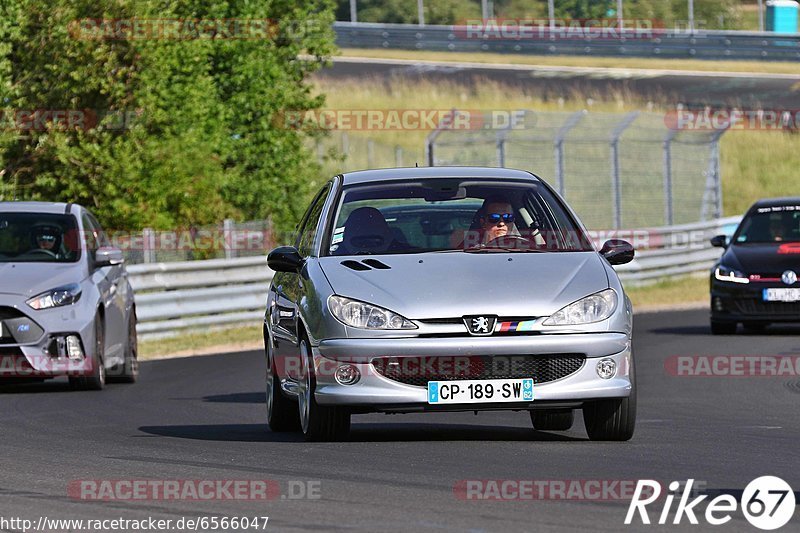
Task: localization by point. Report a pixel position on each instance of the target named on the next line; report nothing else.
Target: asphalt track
(202, 418)
(750, 90)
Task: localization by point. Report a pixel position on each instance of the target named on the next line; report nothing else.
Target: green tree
(200, 139)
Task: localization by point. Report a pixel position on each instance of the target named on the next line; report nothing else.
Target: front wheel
(318, 422)
(130, 366)
(281, 411)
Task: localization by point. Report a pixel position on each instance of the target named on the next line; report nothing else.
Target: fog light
(347, 375)
(74, 350)
(606, 368)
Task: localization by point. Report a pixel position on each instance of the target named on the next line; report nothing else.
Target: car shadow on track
(35, 387)
(363, 433)
(238, 397)
(705, 330)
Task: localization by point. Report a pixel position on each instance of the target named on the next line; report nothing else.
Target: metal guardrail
(200, 295)
(699, 44)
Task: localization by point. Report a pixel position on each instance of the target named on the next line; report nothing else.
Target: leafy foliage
(178, 131)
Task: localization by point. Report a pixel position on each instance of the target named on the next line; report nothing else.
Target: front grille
(756, 307)
(418, 371)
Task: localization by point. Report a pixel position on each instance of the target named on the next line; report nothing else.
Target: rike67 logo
(767, 503)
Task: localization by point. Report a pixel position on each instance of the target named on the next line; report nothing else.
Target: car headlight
(66, 295)
(593, 308)
(367, 316)
(723, 273)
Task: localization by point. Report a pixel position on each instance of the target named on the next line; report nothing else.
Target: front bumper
(732, 302)
(29, 346)
(379, 393)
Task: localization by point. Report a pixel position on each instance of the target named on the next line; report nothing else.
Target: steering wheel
(508, 241)
(41, 251)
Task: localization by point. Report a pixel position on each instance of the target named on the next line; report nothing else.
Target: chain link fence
(616, 170)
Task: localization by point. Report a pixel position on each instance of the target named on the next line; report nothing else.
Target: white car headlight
(366, 316)
(723, 273)
(593, 308)
(66, 295)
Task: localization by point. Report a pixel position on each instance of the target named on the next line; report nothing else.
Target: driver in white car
(47, 237)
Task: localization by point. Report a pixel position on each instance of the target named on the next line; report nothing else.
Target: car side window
(308, 230)
(91, 233)
(102, 239)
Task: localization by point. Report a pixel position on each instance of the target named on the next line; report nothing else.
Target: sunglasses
(494, 218)
(47, 238)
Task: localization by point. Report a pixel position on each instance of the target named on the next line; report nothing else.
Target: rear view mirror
(285, 259)
(617, 251)
(719, 241)
(108, 256)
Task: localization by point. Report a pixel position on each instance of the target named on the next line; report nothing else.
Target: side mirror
(108, 256)
(617, 251)
(719, 241)
(285, 259)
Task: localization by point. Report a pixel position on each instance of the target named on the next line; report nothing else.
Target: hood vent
(355, 265)
(374, 263)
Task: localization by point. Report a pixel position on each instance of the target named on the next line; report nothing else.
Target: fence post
(227, 234)
(712, 196)
(430, 140)
(616, 183)
(558, 142)
(668, 196)
(149, 245)
(398, 156)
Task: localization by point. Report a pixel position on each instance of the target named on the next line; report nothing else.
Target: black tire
(755, 327)
(613, 419)
(96, 380)
(552, 419)
(129, 372)
(723, 328)
(282, 414)
(319, 423)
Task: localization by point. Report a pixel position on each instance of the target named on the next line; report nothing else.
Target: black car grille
(418, 371)
(756, 307)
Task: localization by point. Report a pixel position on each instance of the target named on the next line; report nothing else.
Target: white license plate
(481, 391)
(781, 295)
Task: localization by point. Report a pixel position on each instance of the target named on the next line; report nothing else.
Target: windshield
(770, 225)
(452, 215)
(38, 237)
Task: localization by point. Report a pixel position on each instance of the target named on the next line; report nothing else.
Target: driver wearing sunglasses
(496, 219)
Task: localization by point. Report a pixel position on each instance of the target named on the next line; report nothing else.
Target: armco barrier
(200, 295)
(700, 44)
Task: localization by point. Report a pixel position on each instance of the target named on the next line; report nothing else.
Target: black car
(755, 281)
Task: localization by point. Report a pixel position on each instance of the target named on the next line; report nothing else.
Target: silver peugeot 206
(66, 306)
(447, 289)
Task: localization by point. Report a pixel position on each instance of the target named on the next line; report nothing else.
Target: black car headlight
(366, 316)
(65, 295)
(723, 273)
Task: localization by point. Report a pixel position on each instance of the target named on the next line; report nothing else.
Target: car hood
(449, 285)
(763, 258)
(30, 279)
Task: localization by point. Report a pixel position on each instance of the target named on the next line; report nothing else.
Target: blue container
(782, 16)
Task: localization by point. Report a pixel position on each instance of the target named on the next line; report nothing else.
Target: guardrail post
(668, 196)
(570, 123)
(616, 184)
(227, 233)
(149, 245)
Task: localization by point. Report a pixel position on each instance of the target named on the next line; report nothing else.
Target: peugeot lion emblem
(789, 277)
(480, 325)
